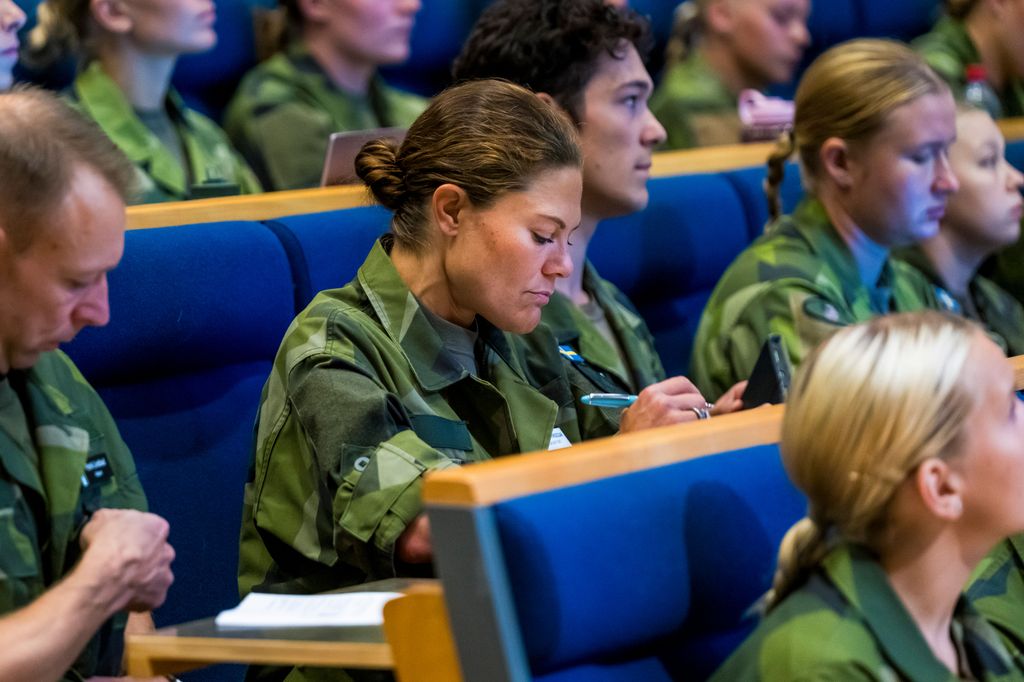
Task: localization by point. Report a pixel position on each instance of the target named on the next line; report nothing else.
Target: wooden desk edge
(247, 207)
(510, 477)
(155, 654)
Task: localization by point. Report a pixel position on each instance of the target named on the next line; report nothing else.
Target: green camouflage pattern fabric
(594, 365)
(695, 107)
(213, 162)
(364, 400)
(51, 424)
(286, 108)
(999, 313)
(997, 591)
(847, 623)
(1006, 269)
(798, 280)
(949, 50)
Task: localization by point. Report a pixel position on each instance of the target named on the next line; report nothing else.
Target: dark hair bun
(377, 166)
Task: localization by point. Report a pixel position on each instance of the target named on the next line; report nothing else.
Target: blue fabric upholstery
(1015, 153)
(197, 315)
(669, 257)
(654, 570)
(326, 249)
(749, 184)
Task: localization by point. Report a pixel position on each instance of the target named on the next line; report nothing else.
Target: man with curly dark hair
(587, 58)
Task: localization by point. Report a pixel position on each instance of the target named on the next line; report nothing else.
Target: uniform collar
(105, 103)
(812, 223)
(859, 577)
(402, 317)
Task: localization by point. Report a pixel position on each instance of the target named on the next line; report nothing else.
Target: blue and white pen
(620, 400)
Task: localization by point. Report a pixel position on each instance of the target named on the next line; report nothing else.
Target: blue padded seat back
(326, 249)
(669, 257)
(197, 315)
(442, 26)
(903, 20)
(655, 569)
(749, 185)
(1015, 153)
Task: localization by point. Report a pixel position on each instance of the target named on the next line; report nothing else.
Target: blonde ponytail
(780, 155)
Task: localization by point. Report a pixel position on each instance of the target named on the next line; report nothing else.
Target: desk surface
(200, 643)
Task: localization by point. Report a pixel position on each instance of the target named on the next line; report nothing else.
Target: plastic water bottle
(979, 93)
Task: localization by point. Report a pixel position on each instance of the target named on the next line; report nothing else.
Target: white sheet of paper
(307, 610)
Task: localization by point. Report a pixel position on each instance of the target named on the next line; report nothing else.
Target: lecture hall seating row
(207, 80)
(198, 312)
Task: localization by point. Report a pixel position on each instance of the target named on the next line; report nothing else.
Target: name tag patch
(558, 440)
(97, 470)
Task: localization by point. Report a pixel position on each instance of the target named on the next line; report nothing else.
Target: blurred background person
(717, 49)
(322, 80)
(985, 32)
(12, 18)
(982, 217)
(127, 50)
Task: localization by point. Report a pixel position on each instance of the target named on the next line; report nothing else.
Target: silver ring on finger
(701, 412)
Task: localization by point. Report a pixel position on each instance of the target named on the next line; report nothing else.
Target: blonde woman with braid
(872, 132)
(904, 432)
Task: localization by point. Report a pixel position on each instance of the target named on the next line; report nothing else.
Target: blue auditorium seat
(645, 575)
(669, 257)
(197, 313)
(326, 249)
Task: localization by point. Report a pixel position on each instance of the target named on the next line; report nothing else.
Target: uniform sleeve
(343, 469)
(997, 590)
(802, 314)
(286, 141)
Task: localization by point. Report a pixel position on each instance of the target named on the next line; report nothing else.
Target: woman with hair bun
(872, 131)
(127, 50)
(905, 434)
(411, 367)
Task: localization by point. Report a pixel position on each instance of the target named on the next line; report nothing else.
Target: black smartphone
(769, 382)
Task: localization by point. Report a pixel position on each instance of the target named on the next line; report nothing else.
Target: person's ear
(834, 156)
(111, 15)
(448, 207)
(718, 17)
(315, 11)
(941, 489)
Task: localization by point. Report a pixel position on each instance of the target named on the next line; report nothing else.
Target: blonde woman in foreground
(928, 480)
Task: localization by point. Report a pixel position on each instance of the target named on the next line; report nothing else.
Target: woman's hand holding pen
(672, 401)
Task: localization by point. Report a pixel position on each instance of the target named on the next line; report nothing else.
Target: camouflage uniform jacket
(948, 49)
(362, 401)
(61, 458)
(799, 280)
(990, 305)
(161, 177)
(695, 107)
(287, 107)
(997, 591)
(847, 623)
(591, 363)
